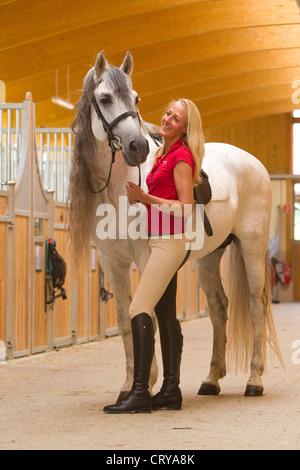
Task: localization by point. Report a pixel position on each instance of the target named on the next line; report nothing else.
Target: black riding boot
(138, 400)
(171, 341)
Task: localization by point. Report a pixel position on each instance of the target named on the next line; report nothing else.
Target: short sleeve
(181, 154)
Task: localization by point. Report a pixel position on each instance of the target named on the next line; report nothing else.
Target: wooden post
(2, 92)
(11, 272)
(49, 310)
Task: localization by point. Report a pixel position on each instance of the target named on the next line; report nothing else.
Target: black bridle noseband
(113, 140)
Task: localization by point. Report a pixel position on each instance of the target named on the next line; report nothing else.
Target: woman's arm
(184, 186)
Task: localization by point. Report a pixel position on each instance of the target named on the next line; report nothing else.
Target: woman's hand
(134, 192)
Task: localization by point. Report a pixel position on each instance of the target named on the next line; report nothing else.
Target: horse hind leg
(255, 259)
(210, 282)
(255, 268)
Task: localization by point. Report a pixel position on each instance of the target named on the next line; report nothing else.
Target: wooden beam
(146, 82)
(27, 20)
(250, 82)
(151, 50)
(260, 98)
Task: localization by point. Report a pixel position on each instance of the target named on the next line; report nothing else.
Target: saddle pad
(218, 179)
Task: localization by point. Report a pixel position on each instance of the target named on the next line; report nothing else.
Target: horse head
(114, 114)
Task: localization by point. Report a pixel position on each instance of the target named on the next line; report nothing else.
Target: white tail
(240, 331)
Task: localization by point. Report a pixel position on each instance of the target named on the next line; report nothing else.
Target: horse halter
(113, 140)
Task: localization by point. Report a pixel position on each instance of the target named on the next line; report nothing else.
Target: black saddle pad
(202, 192)
(202, 195)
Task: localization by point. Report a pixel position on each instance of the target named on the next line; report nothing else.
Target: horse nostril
(133, 146)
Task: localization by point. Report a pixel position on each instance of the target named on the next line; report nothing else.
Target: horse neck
(120, 174)
(118, 178)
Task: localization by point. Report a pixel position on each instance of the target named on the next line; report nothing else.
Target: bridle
(113, 140)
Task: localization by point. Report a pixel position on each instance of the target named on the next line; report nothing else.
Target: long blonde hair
(193, 139)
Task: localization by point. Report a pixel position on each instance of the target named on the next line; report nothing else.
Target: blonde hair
(193, 139)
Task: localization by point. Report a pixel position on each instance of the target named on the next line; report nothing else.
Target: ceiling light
(62, 102)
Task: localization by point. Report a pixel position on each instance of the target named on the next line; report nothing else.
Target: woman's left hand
(134, 192)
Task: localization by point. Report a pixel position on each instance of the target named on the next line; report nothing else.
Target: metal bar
(48, 184)
(63, 166)
(8, 143)
(41, 158)
(19, 133)
(287, 176)
(17, 142)
(11, 106)
(55, 170)
(1, 162)
(46, 130)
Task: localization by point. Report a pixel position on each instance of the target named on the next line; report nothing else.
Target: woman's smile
(174, 122)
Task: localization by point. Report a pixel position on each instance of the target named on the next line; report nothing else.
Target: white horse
(239, 209)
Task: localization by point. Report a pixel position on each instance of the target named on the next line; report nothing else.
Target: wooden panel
(198, 90)
(39, 317)
(297, 272)
(268, 138)
(3, 280)
(62, 311)
(22, 283)
(3, 205)
(180, 24)
(21, 26)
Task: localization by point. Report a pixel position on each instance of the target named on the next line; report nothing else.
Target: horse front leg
(210, 282)
(117, 275)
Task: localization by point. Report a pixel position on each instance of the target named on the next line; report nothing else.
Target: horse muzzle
(135, 151)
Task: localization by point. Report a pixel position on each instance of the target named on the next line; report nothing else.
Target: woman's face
(173, 124)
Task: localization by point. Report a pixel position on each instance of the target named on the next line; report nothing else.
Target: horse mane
(83, 159)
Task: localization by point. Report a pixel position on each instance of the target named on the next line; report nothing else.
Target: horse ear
(100, 64)
(127, 65)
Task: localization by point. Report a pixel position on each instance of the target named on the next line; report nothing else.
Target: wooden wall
(75, 319)
(268, 138)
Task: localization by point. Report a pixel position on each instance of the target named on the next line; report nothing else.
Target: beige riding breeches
(165, 255)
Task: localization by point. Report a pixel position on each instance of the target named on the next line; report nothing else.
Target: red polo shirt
(161, 183)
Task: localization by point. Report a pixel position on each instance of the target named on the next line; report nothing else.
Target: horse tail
(240, 331)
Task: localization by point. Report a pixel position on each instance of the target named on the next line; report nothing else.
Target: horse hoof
(121, 396)
(208, 389)
(253, 391)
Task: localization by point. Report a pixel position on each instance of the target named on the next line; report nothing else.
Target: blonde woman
(169, 200)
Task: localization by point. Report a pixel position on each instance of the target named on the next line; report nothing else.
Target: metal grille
(10, 142)
(54, 150)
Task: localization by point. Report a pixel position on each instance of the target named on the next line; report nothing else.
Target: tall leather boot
(138, 400)
(171, 341)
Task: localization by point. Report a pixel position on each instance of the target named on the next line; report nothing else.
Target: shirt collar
(175, 146)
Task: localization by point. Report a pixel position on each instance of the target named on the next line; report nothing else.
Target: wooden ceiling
(235, 59)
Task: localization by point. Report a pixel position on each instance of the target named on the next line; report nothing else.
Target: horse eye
(105, 99)
(137, 99)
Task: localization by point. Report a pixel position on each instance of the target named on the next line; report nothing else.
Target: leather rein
(113, 140)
